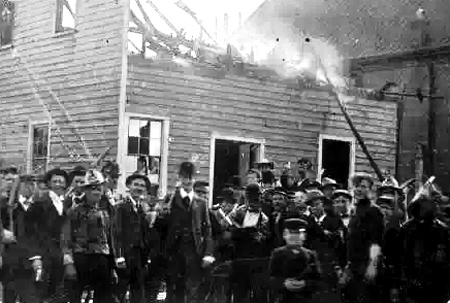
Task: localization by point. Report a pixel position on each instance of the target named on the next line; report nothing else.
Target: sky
(207, 11)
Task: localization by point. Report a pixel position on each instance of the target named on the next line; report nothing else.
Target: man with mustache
(365, 235)
(132, 234)
(185, 235)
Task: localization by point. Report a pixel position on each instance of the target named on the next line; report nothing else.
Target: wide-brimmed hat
(389, 184)
(11, 169)
(93, 177)
(328, 182)
(78, 171)
(314, 195)
(358, 177)
(386, 200)
(341, 192)
(56, 172)
(135, 176)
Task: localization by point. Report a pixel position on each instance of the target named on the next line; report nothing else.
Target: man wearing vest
(185, 232)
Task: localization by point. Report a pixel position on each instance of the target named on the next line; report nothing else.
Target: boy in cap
(294, 270)
(186, 235)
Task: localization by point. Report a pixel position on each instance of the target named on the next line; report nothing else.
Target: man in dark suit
(46, 217)
(18, 271)
(132, 229)
(185, 232)
(294, 270)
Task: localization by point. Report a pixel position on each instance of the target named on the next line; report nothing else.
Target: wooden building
(224, 117)
(393, 41)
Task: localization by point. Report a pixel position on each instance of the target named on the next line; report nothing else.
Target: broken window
(6, 22)
(40, 152)
(65, 15)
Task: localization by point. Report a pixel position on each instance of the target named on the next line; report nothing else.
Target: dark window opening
(336, 160)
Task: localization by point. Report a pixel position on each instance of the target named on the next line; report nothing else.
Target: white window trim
(352, 142)
(164, 150)
(55, 20)
(212, 154)
(30, 148)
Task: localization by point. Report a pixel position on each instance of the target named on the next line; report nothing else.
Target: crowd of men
(68, 236)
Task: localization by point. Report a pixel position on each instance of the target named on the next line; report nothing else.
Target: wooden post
(419, 166)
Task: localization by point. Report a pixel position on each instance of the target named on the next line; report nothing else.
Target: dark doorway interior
(232, 158)
(336, 160)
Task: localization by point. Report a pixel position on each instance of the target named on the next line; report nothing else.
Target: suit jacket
(201, 224)
(297, 263)
(45, 224)
(132, 228)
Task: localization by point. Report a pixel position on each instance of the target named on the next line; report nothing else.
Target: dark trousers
(21, 286)
(155, 278)
(94, 271)
(136, 263)
(359, 290)
(249, 280)
(183, 277)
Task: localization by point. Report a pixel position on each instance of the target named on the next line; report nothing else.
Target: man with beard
(185, 233)
(365, 235)
(88, 245)
(132, 235)
(423, 263)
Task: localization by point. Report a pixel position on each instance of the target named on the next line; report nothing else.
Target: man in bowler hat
(186, 238)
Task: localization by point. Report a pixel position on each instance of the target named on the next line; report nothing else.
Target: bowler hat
(252, 190)
(135, 176)
(12, 169)
(389, 184)
(92, 178)
(187, 169)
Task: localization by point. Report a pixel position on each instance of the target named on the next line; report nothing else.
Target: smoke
(294, 55)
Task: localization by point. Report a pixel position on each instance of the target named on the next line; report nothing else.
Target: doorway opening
(232, 159)
(336, 159)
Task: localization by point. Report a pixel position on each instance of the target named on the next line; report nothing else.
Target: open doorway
(336, 159)
(232, 159)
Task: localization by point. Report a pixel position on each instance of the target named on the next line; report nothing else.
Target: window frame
(12, 25)
(32, 125)
(58, 18)
(163, 164)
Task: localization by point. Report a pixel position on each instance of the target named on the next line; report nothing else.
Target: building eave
(401, 57)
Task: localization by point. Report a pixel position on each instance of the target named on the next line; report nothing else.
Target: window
(144, 143)
(39, 148)
(7, 10)
(65, 15)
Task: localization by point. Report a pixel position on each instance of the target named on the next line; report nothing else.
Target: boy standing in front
(294, 270)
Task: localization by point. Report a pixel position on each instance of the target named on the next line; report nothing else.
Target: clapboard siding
(288, 119)
(82, 69)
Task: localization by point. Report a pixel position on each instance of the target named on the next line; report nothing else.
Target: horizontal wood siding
(288, 119)
(82, 69)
